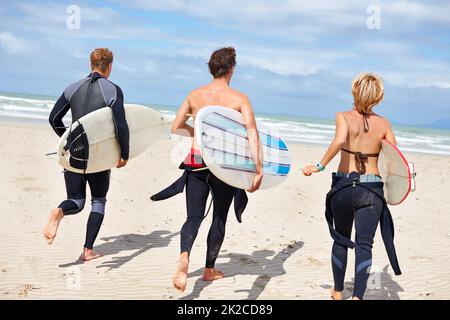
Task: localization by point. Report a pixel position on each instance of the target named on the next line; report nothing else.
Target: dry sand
(280, 251)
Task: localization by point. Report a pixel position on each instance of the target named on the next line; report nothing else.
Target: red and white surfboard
(398, 174)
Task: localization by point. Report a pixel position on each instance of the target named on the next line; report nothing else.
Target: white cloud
(334, 13)
(11, 44)
(96, 23)
(51, 12)
(280, 61)
(281, 65)
(418, 11)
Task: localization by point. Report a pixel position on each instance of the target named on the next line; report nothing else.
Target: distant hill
(440, 124)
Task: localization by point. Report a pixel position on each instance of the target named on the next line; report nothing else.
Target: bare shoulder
(240, 96)
(343, 115)
(384, 121)
(197, 91)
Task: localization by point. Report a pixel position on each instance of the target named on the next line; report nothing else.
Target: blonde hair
(368, 91)
(101, 58)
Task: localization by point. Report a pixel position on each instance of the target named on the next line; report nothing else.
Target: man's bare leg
(51, 228)
(180, 277)
(211, 274)
(89, 254)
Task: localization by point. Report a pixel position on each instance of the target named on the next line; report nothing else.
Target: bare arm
(339, 139)
(179, 125)
(390, 134)
(336, 145)
(253, 140)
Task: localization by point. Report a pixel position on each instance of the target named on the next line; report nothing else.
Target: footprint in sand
(28, 187)
(23, 290)
(426, 294)
(34, 189)
(420, 258)
(247, 261)
(24, 179)
(314, 261)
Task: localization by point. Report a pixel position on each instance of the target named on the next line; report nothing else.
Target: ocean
(26, 107)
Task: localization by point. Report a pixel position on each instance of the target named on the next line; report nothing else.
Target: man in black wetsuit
(82, 97)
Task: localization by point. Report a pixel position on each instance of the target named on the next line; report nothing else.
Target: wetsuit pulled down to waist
(198, 183)
(350, 199)
(193, 161)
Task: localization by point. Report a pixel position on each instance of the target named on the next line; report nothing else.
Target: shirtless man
(199, 182)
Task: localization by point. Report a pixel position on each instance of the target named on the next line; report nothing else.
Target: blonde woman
(356, 193)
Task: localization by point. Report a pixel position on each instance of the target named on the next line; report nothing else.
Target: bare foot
(89, 255)
(211, 274)
(356, 298)
(180, 278)
(51, 228)
(336, 295)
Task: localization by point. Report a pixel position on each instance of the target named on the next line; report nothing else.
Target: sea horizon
(293, 128)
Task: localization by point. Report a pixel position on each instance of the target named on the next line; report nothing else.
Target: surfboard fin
(51, 154)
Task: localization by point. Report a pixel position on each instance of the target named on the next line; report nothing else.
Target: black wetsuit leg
(342, 206)
(369, 209)
(76, 198)
(76, 193)
(365, 208)
(197, 190)
(99, 185)
(198, 186)
(223, 196)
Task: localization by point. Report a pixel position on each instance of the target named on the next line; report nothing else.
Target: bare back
(215, 94)
(365, 142)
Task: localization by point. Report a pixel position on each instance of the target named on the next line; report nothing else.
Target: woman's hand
(308, 170)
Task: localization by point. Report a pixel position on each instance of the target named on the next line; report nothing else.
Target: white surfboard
(398, 174)
(145, 124)
(222, 138)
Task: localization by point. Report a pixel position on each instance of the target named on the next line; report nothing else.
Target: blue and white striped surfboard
(223, 142)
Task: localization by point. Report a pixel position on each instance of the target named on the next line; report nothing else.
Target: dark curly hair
(222, 61)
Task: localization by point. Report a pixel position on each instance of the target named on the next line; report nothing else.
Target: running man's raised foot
(51, 228)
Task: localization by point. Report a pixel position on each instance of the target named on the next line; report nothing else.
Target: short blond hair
(101, 58)
(368, 91)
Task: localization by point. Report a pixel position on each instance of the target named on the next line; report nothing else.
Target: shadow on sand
(258, 263)
(127, 242)
(381, 286)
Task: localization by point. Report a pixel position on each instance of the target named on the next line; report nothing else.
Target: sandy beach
(280, 251)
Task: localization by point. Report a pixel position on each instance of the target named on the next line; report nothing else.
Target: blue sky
(294, 57)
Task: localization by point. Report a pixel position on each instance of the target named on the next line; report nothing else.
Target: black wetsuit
(198, 185)
(82, 97)
(363, 202)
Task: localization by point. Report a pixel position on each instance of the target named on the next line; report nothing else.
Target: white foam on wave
(9, 107)
(26, 100)
(301, 131)
(426, 151)
(23, 115)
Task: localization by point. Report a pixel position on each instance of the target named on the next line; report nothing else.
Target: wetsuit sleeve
(122, 131)
(60, 109)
